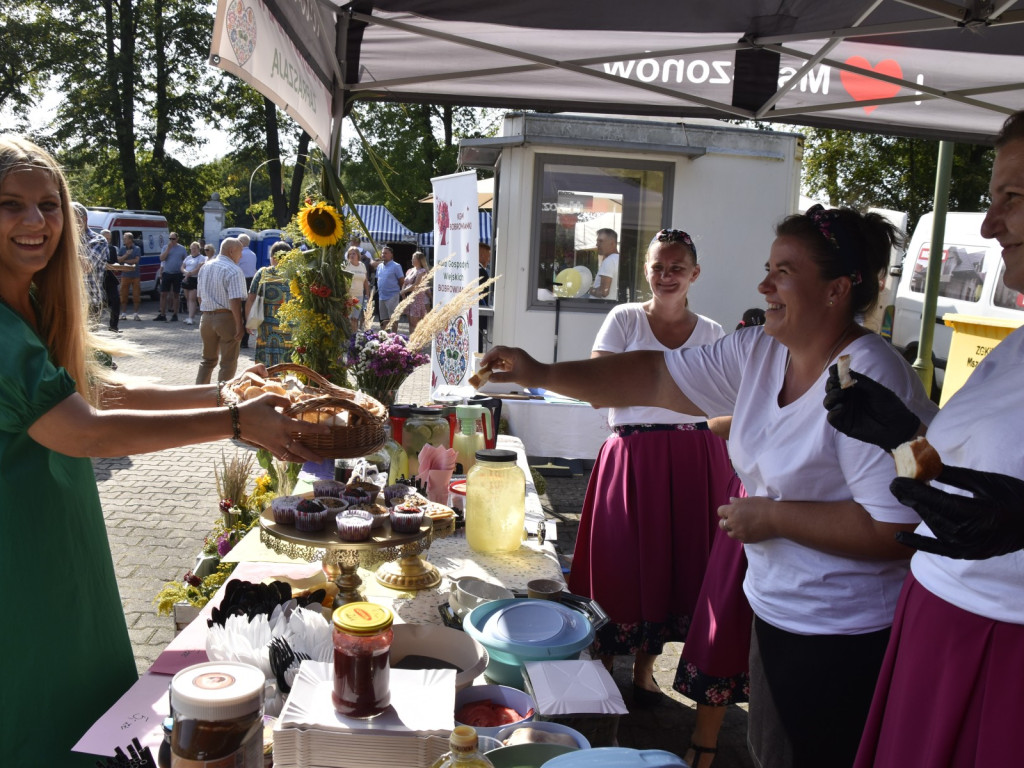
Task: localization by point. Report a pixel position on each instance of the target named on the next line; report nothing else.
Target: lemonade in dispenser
(470, 438)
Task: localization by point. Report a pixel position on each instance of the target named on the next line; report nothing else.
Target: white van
(971, 283)
(151, 235)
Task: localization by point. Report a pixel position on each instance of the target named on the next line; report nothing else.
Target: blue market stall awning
(426, 239)
(382, 225)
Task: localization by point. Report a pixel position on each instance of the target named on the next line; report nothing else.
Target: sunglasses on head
(674, 236)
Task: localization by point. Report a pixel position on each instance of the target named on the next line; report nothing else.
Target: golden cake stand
(398, 554)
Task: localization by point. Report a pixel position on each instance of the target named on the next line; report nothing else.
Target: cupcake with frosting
(354, 524)
(310, 515)
(326, 487)
(283, 509)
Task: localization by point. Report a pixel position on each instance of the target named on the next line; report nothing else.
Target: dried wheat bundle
(424, 285)
(437, 319)
(368, 310)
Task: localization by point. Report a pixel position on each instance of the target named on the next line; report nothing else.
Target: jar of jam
(218, 716)
(362, 659)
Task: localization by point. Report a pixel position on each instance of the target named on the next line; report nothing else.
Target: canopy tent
(426, 239)
(945, 69)
(382, 225)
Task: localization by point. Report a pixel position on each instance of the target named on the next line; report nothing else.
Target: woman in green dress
(65, 655)
(273, 343)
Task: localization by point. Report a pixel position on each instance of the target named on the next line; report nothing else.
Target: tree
(862, 170)
(396, 149)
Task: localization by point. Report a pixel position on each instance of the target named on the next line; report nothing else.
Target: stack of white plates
(413, 731)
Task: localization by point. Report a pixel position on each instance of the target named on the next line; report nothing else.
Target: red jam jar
(362, 659)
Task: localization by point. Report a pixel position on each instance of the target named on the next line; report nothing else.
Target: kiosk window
(593, 220)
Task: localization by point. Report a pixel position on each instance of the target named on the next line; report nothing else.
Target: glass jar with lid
(362, 659)
(495, 502)
(218, 715)
(424, 425)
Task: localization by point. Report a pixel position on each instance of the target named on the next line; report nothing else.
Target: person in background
(652, 500)
(248, 266)
(273, 343)
(389, 284)
(421, 304)
(58, 408)
(751, 317)
(823, 567)
(950, 692)
(485, 272)
(606, 282)
(129, 255)
(171, 259)
(94, 260)
(111, 283)
(359, 286)
(355, 241)
(190, 283)
(222, 295)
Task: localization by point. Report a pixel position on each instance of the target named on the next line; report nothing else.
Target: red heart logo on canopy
(865, 88)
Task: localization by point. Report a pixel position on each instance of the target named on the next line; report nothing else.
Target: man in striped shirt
(222, 293)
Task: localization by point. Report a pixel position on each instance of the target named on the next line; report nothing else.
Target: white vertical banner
(456, 243)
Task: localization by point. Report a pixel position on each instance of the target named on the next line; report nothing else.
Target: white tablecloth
(567, 430)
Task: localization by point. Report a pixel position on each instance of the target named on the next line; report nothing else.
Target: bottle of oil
(465, 752)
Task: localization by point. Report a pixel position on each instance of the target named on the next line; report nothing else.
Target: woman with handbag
(269, 290)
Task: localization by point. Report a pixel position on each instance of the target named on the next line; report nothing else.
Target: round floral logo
(452, 347)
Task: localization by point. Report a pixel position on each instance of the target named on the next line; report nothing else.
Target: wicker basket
(365, 432)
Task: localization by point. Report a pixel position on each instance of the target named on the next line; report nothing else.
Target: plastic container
(495, 502)
(499, 695)
(516, 631)
(423, 426)
(218, 715)
(616, 757)
(362, 668)
(470, 438)
(464, 750)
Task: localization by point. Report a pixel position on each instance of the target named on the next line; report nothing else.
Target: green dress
(65, 655)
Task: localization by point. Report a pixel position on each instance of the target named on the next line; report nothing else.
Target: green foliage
(185, 591)
(862, 170)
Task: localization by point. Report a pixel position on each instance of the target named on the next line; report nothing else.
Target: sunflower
(321, 224)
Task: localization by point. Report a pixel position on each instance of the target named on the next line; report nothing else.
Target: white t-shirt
(792, 453)
(358, 272)
(980, 427)
(627, 329)
(609, 268)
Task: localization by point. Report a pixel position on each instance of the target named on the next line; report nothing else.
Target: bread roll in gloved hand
(989, 524)
(868, 411)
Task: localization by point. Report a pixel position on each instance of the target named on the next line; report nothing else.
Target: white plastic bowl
(442, 643)
(543, 725)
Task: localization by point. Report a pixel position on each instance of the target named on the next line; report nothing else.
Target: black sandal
(698, 751)
(644, 698)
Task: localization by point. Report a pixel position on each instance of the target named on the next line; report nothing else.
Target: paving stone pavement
(159, 507)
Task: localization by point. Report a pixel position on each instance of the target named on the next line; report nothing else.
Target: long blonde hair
(60, 285)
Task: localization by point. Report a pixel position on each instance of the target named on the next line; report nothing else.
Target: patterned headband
(838, 235)
(674, 236)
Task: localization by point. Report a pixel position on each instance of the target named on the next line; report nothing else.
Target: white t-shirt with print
(980, 427)
(627, 329)
(792, 453)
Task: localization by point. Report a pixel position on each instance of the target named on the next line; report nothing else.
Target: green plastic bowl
(526, 755)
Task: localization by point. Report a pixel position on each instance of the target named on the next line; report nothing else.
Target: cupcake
(379, 514)
(354, 524)
(333, 504)
(310, 515)
(357, 497)
(406, 518)
(283, 509)
(331, 488)
(396, 491)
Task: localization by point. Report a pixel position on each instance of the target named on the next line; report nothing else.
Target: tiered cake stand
(398, 553)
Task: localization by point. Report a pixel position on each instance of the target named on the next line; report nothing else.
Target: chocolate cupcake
(406, 518)
(325, 487)
(310, 515)
(283, 509)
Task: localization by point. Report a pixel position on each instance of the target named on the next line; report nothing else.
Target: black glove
(868, 411)
(989, 524)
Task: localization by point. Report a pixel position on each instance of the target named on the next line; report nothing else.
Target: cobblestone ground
(159, 507)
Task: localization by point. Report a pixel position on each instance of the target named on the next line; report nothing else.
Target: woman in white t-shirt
(951, 691)
(359, 288)
(652, 501)
(824, 568)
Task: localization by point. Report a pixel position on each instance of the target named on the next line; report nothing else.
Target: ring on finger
(723, 524)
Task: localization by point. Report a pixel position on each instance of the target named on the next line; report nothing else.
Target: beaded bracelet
(236, 428)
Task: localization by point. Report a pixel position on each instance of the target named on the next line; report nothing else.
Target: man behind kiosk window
(606, 285)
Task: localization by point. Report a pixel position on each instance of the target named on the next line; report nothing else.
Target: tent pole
(923, 363)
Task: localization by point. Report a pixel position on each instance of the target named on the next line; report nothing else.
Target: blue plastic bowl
(515, 631)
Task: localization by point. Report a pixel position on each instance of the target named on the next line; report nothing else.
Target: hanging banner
(456, 243)
(249, 43)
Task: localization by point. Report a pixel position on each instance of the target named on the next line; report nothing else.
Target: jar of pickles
(495, 502)
(362, 659)
(423, 426)
(218, 715)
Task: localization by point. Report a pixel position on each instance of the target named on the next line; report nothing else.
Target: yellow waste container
(973, 338)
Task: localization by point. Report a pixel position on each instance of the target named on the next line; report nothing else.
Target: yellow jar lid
(362, 618)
